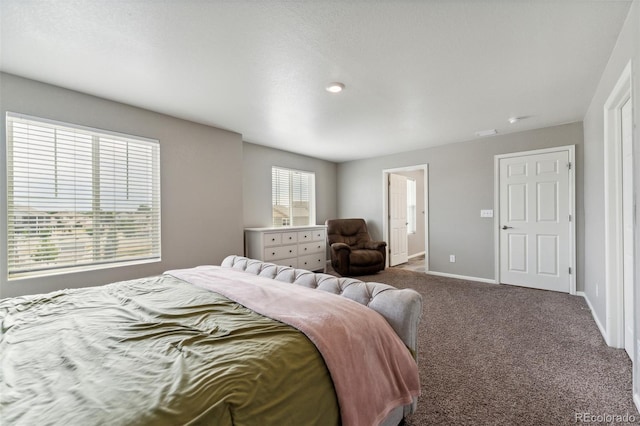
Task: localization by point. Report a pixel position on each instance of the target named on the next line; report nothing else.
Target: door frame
(385, 206)
(572, 208)
(613, 239)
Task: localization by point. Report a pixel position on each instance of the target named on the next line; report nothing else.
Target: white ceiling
(417, 73)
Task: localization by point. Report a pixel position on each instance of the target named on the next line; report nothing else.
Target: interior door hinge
(569, 165)
(569, 218)
(569, 270)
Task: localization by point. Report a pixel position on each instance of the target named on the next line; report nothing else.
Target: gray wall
(258, 161)
(201, 178)
(627, 48)
(460, 185)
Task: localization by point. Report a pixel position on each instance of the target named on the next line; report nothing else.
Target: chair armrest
(340, 253)
(340, 246)
(375, 245)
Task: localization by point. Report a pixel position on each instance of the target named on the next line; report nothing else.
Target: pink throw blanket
(372, 370)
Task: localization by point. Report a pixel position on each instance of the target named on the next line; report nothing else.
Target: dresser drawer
(273, 239)
(292, 262)
(312, 262)
(312, 247)
(289, 237)
(319, 235)
(282, 252)
(304, 236)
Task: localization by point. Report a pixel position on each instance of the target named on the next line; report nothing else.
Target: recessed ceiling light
(489, 132)
(514, 120)
(335, 87)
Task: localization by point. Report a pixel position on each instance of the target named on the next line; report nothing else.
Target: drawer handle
(290, 251)
(273, 253)
(305, 249)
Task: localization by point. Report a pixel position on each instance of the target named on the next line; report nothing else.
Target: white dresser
(302, 247)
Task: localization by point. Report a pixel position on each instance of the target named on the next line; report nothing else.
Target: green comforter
(155, 351)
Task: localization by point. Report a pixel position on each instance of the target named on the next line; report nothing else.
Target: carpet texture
(505, 355)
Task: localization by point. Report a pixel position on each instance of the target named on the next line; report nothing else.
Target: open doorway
(619, 214)
(406, 217)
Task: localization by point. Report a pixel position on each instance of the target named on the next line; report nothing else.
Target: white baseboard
(594, 315)
(636, 396)
(422, 253)
(462, 277)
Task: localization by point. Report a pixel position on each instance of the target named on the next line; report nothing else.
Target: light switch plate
(486, 213)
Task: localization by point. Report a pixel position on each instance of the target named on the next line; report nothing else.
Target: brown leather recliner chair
(352, 250)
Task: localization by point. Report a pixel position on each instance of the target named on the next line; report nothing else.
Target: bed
(234, 344)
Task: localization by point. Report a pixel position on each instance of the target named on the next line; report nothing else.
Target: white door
(534, 221)
(398, 241)
(627, 224)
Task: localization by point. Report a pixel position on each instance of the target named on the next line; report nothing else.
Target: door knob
(507, 227)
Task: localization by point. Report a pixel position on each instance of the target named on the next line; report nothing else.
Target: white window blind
(293, 197)
(79, 197)
(411, 206)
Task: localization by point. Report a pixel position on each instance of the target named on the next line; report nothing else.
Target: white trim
(385, 206)
(496, 219)
(636, 400)
(75, 269)
(16, 116)
(417, 254)
(572, 207)
(462, 277)
(593, 314)
(621, 92)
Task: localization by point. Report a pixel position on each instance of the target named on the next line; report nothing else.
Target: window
(79, 197)
(411, 206)
(292, 197)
